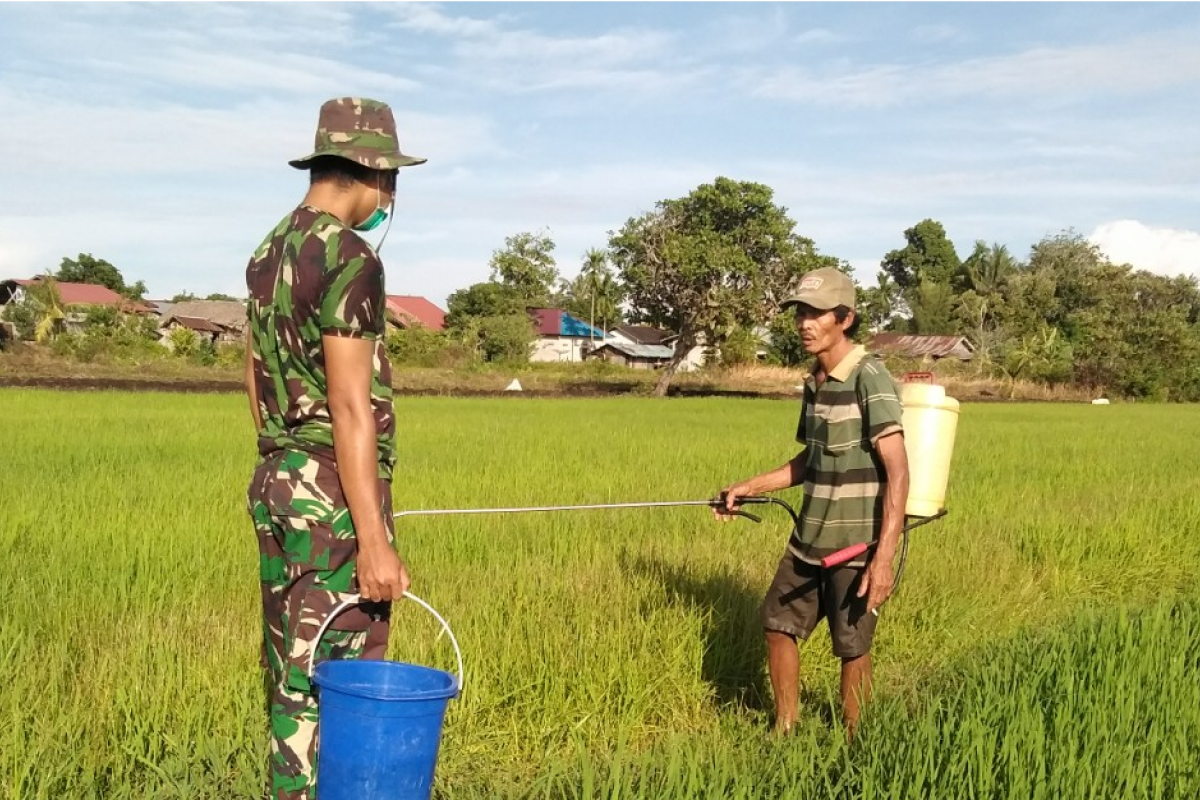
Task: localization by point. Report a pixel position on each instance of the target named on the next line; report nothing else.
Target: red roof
(556, 322)
(410, 309)
(547, 321)
(88, 294)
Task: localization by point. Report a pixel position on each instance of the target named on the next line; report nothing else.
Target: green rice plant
(1038, 639)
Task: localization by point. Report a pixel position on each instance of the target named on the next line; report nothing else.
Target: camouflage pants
(307, 552)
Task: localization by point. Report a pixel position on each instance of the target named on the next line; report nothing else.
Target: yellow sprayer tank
(930, 420)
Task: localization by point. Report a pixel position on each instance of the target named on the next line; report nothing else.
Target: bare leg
(856, 690)
(783, 659)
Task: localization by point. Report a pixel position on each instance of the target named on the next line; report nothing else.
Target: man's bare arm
(782, 477)
(878, 579)
(252, 385)
(348, 367)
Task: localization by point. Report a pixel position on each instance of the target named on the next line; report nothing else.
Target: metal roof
(654, 351)
(643, 334)
(197, 324)
(556, 322)
(916, 345)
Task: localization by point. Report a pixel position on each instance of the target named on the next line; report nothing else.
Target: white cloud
(934, 34)
(1165, 251)
(428, 18)
(173, 138)
(500, 56)
(1144, 64)
(820, 36)
(290, 73)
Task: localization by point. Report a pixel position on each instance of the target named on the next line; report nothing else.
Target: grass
(1043, 645)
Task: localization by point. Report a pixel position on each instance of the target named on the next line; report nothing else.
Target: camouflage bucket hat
(360, 130)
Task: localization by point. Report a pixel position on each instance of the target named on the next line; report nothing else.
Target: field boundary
(189, 386)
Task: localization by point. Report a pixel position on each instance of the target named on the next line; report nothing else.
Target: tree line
(714, 265)
(1064, 314)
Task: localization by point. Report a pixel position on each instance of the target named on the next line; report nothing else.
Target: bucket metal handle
(354, 599)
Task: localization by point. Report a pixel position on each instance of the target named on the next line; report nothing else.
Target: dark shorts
(803, 594)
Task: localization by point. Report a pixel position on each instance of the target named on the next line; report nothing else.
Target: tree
(183, 297)
(46, 310)
(504, 337)
(723, 256)
(526, 264)
(86, 268)
(740, 347)
(786, 348)
(986, 270)
(482, 300)
(933, 309)
(183, 342)
(23, 316)
(928, 256)
(595, 294)
(221, 296)
(881, 302)
(1040, 355)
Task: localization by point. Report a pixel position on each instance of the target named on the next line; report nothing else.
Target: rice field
(1045, 642)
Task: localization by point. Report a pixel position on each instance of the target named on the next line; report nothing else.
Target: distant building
(561, 336)
(640, 334)
(645, 335)
(76, 299)
(405, 311)
(926, 348)
(635, 356)
(223, 321)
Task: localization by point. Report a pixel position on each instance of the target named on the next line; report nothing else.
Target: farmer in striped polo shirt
(855, 475)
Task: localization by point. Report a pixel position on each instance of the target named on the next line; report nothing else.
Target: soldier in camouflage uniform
(321, 396)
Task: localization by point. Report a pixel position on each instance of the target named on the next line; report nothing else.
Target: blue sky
(156, 135)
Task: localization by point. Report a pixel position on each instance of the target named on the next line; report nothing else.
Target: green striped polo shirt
(844, 479)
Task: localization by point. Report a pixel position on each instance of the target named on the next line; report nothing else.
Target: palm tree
(593, 271)
(51, 312)
(988, 268)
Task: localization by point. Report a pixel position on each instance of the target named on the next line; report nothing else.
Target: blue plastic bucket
(380, 726)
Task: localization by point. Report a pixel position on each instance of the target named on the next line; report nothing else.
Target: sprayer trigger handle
(844, 555)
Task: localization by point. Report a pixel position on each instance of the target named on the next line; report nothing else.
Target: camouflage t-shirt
(313, 276)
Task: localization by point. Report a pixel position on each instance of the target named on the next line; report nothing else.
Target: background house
(926, 348)
(405, 311)
(561, 336)
(76, 299)
(648, 336)
(201, 327)
(222, 320)
(635, 356)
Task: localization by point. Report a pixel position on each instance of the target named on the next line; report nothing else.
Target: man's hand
(877, 582)
(381, 574)
(731, 495)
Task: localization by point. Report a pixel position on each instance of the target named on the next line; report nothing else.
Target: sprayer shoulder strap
(858, 393)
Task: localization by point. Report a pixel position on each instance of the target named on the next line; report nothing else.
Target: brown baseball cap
(823, 289)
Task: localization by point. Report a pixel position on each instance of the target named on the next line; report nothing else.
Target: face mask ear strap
(390, 216)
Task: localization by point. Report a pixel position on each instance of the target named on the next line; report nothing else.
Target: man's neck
(324, 197)
(829, 359)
